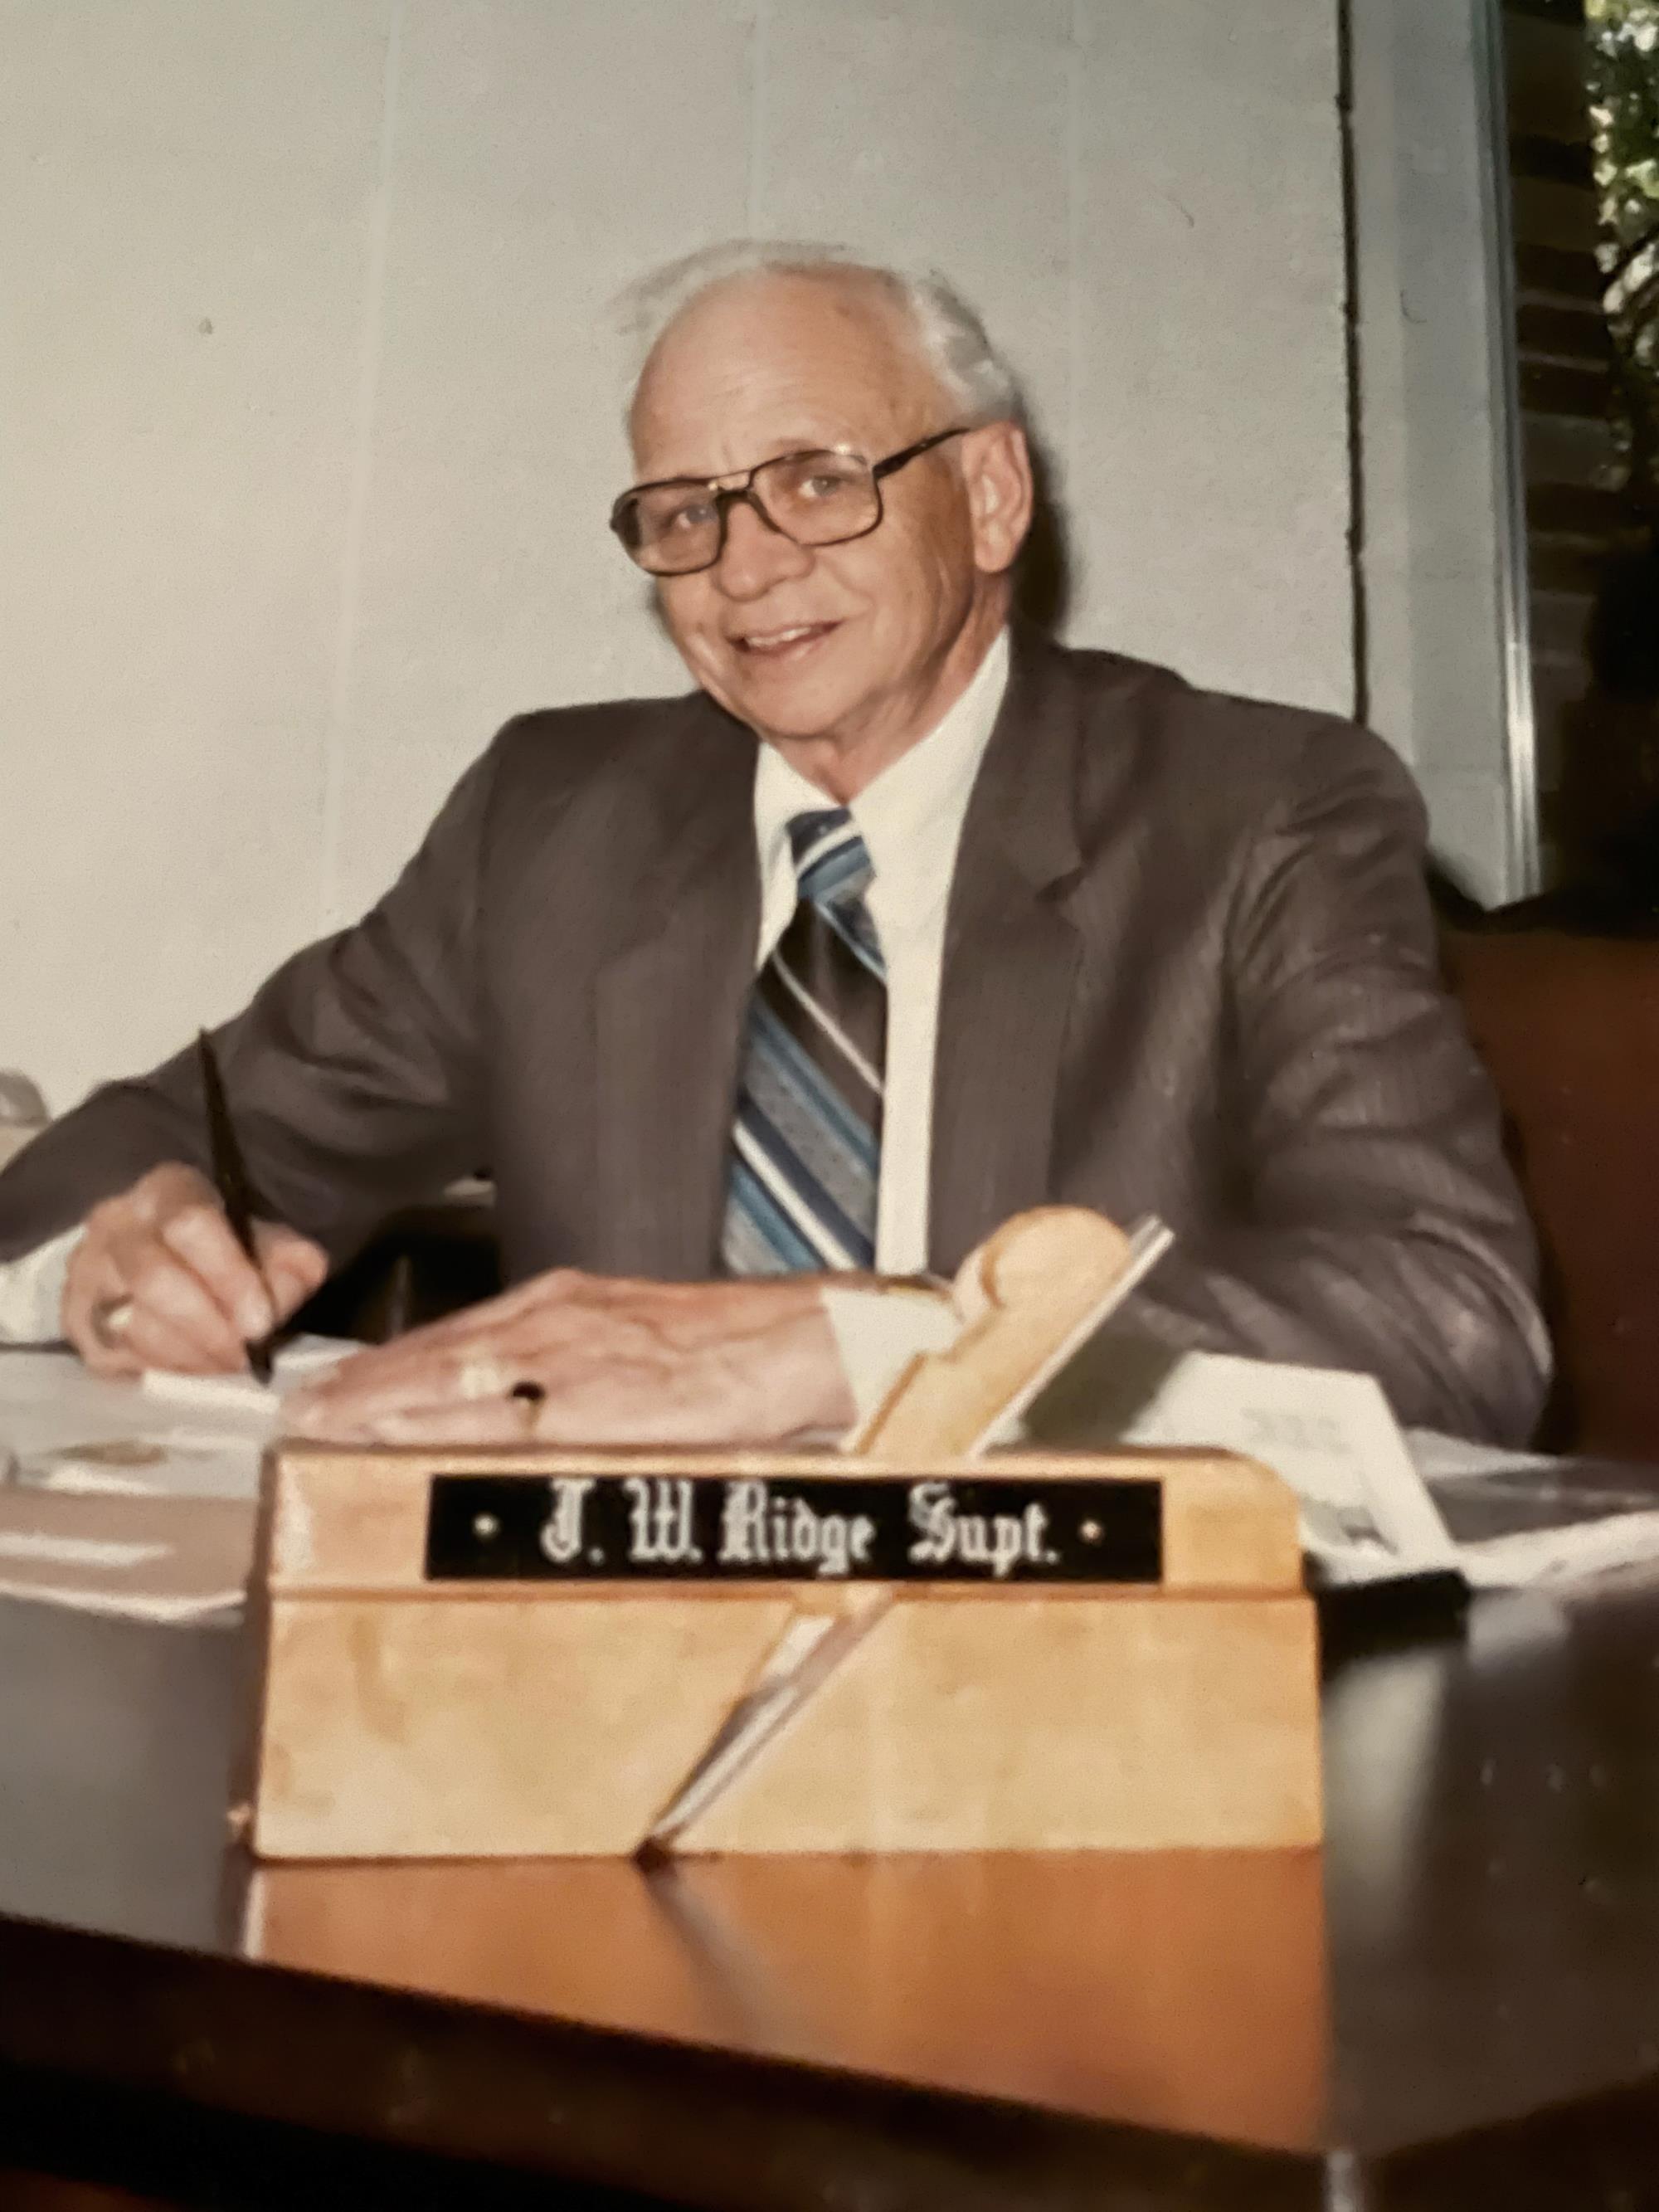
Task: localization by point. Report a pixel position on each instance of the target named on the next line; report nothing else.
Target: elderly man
(905, 920)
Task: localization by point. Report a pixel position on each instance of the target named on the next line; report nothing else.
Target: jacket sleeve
(1379, 1225)
(353, 1075)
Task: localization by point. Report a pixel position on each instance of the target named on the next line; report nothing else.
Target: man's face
(862, 645)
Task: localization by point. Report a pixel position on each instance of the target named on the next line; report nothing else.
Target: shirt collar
(911, 817)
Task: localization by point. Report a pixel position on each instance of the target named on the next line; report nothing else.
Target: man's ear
(997, 467)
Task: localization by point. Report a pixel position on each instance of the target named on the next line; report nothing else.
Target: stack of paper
(1377, 1505)
(135, 1498)
(154, 1558)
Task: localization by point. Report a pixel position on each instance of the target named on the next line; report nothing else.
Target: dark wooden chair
(1568, 1026)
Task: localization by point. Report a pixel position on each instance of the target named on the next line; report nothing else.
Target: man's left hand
(569, 1359)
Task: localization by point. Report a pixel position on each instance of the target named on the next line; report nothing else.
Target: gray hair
(950, 335)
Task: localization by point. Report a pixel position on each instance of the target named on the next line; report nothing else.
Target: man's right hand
(158, 1279)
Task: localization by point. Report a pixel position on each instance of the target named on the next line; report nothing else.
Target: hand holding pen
(230, 1180)
(177, 1272)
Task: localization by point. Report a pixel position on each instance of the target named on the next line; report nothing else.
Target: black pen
(230, 1180)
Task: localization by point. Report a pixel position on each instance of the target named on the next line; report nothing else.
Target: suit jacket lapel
(669, 1009)
(1011, 953)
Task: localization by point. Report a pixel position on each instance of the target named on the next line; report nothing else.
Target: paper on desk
(1526, 1519)
(300, 1360)
(1374, 1504)
(1366, 1515)
(153, 1558)
(133, 1498)
(197, 1437)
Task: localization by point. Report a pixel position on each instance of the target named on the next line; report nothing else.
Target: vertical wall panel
(182, 195)
(1210, 477)
(933, 137)
(545, 154)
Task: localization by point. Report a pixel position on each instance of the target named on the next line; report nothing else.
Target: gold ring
(109, 1321)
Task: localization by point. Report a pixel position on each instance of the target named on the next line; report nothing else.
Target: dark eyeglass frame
(725, 497)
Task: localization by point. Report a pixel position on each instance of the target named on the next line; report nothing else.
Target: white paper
(1566, 1519)
(1439, 1457)
(42, 1550)
(159, 1557)
(1374, 1504)
(1365, 1512)
(67, 1429)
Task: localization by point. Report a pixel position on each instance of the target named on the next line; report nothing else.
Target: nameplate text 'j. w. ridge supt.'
(668, 1527)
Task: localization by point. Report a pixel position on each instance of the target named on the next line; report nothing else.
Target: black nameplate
(667, 1528)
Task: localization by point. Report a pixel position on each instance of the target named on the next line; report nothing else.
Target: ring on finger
(109, 1321)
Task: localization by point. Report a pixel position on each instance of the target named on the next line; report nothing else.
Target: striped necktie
(807, 1138)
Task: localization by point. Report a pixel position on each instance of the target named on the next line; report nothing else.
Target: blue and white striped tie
(806, 1139)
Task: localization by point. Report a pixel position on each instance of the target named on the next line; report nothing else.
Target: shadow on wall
(1045, 578)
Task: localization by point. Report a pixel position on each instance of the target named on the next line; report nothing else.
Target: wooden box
(479, 1654)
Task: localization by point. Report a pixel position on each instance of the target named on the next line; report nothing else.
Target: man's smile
(788, 642)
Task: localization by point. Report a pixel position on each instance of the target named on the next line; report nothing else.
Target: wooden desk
(1463, 2011)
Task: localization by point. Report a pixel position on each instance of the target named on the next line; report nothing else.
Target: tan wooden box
(409, 1708)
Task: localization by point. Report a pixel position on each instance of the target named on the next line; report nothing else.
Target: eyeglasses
(677, 525)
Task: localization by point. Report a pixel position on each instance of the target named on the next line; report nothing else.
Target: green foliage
(1624, 93)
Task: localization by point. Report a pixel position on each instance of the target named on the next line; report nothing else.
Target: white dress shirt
(910, 819)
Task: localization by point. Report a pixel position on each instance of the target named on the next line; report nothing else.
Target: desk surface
(1459, 2005)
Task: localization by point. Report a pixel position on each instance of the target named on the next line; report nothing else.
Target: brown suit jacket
(1189, 970)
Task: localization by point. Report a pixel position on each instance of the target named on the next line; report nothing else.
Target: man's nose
(755, 556)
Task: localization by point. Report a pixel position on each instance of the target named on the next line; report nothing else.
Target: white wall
(309, 416)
